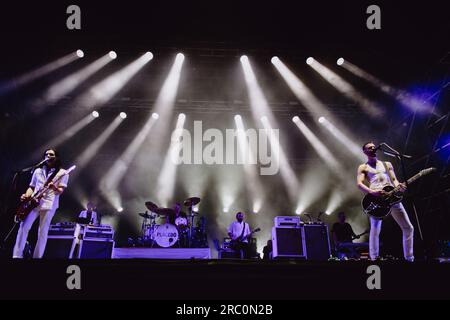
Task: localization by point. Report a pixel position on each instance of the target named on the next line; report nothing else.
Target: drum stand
(192, 216)
(148, 227)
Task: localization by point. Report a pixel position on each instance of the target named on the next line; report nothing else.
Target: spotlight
(149, 55)
(244, 58)
(180, 57)
(237, 117)
(80, 53)
(275, 59)
(296, 119)
(155, 116)
(112, 54)
(310, 61)
(298, 212)
(123, 115)
(322, 120)
(95, 114)
(120, 209)
(264, 119)
(340, 61)
(226, 210)
(182, 117)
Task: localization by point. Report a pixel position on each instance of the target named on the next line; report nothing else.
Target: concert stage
(157, 253)
(218, 279)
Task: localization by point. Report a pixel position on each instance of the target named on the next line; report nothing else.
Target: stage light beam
(261, 110)
(167, 178)
(405, 98)
(345, 141)
(348, 90)
(38, 73)
(105, 90)
(89, 153)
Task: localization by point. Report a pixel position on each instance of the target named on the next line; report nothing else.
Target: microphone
(378, 147)
(41, 163)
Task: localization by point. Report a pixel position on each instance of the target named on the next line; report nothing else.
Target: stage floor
(218, 279)
(162, 254)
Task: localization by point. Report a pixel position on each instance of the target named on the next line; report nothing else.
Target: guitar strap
(51, 177)
(242, 234)
(388, 172)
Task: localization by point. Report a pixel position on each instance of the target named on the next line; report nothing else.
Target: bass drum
(166, 235)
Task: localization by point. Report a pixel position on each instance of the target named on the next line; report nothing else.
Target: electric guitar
(380, 207)
(29, 205)
(239, 240)
(360, 235)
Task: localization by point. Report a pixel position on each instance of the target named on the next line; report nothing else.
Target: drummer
(179, 218)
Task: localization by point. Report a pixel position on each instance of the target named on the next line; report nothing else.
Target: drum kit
(175, 228)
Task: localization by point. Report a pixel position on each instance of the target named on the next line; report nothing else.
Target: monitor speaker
(59, 248)
(93, 249)
(317, 242)
(288, 242)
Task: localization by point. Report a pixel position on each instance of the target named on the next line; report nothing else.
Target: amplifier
(317, 242)
(61, 241)
(62, 230)
(287, 221)
(96, 249)
(288, 242)
(99, 233)
(59, 248)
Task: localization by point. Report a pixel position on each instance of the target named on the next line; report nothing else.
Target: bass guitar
(29, 205)
(380, 206)
(235, 243)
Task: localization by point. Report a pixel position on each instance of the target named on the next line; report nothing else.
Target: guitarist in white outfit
(239, 232)
(379, 174)
(47, 207)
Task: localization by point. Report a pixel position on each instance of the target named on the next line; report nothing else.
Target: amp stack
(79, 241)
(97, 242)
(293, 239)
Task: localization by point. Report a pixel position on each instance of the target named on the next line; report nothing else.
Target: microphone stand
(13, 187)
(401, 157)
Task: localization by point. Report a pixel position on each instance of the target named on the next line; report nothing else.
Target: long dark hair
(58, 162)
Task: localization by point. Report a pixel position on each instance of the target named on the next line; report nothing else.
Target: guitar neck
(414, 179)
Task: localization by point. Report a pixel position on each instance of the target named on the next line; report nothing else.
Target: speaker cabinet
(59, 248)
(317, 242)
(94, 249)
(288, 242)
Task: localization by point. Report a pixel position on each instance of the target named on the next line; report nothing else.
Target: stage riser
(162, 254)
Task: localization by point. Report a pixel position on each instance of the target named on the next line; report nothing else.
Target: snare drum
(166, 235)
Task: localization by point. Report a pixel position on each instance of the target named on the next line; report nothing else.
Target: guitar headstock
(427, 171)
(68, 171)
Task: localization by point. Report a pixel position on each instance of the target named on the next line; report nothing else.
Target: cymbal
(146, 215)
(151, 206)
(165, 211)
(192, 202)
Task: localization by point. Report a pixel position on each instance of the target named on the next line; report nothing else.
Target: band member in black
(343, 234)
(239, 232)
(180, 220)
(42, 176)
(377, 175)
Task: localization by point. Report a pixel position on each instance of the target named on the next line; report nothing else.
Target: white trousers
(399, 214)
(46, 217)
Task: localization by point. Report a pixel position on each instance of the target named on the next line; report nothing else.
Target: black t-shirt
(344, 232)
(172, 218)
